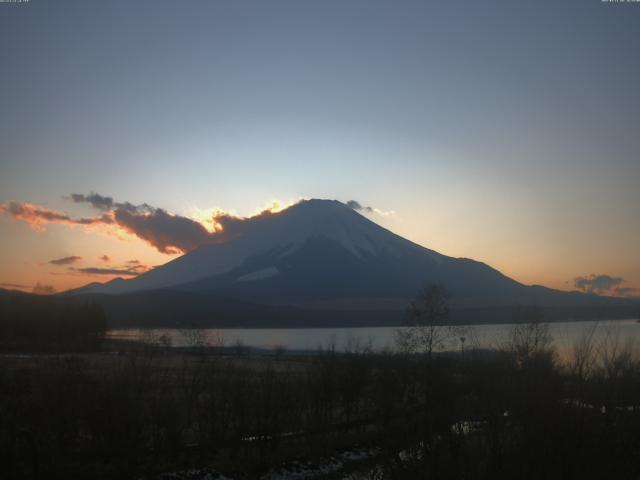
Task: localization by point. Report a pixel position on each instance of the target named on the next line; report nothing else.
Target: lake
(564, 335)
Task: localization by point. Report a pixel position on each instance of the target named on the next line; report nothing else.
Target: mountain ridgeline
(320, 263)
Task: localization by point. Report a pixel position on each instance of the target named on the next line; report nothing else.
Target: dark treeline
(174, 309)
(512, 413)
(46, 323)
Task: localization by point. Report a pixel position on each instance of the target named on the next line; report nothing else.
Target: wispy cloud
(167, 232)
(65, 260)
(358, 207)
(137, 266)
(14, 285)
(131, 268)
(38, 216)
(104, 258)
(97, 201)
(105, 271)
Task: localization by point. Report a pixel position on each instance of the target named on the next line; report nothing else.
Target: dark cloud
(131, 269)
(138, 269)
(168, 233)
(65, 260)
(599, 284)
(97, 201)
(357, 206)
(104, 258)
(235, 226)
(102, 202)
(172, 234)
(136, 266)
(105, 271)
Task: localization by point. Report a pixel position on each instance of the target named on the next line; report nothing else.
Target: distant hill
(7, 293)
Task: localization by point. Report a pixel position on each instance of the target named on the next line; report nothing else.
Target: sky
(507, 132)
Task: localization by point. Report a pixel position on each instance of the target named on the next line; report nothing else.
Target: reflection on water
(565, 335)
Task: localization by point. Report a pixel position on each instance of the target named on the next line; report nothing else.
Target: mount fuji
(313, 260)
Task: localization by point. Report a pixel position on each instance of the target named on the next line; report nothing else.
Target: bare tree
(279, 351)
(216, 340)
(428, 327)
(239, 347)
(194, 337)
(582, 357)
(531, 339)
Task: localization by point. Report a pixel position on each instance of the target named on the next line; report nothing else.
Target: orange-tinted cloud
(104, 258)
(14, 285)
(168, 233)
(38, 216)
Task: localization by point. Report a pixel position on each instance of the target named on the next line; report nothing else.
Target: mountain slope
(321, 254)
(315, 249)
(321, 269)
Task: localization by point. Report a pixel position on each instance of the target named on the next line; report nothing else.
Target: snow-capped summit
(330, 219)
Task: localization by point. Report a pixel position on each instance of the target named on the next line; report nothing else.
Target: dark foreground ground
(134, 411)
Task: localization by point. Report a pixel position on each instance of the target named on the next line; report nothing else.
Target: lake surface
(564, 335)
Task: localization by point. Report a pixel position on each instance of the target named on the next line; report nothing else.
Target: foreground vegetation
(133, 411)
(73, 406)
(40, 323)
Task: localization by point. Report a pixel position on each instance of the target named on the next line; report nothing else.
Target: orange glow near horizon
(38, 234)
(24, 274)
